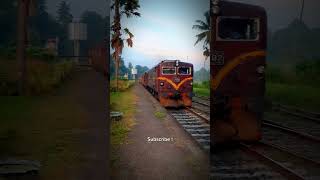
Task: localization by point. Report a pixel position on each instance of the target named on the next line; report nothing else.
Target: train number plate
(217, 58)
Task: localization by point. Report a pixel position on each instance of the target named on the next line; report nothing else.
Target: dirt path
(179, 158)
(88, 89)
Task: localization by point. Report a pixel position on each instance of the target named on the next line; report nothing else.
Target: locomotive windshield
(184, 70)
(169, 70)
(233, 28)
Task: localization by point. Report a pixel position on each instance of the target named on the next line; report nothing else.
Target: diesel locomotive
(170, 82)
(237, 64)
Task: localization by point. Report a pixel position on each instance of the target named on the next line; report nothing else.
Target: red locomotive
(238, 54)
(170, 82)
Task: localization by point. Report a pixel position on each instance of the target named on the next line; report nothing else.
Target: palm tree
(128, 8)
(204, 27)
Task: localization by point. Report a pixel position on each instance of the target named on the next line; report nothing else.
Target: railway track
(240, 163)
(294, 141)
(297, 112)
(289, 149)
(201, 104)
(195, 124)
(283, 161)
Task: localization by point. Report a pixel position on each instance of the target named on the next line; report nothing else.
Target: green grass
(201, 91)
(302, 96)
(41, 128)
(124, 102)
(201, 88)
(160, 115)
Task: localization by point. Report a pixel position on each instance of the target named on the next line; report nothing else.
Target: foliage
(43, 26)
(160, 115)
(141, 70)
(302, 96)
(201, 75)
(201, 88)
(124, 102)
(43, 76)
(31, 52)
(204, 28)
(96, 29)
(293, 43)
(123, 85)
(203, 84)
(64, 15)
(8, 18)
(129, 8)
(305, 73)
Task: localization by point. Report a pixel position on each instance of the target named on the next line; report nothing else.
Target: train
(170, 82)
(237, 69)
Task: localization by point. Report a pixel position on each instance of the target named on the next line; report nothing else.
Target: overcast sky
(164, 32)
(164, 29)
(280, 12)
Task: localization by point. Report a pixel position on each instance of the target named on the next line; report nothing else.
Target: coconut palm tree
(121, 7)
(204, 35)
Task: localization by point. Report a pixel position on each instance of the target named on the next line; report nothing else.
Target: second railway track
(195, 124)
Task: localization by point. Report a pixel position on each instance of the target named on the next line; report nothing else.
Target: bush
(43, 76)
(123, 85)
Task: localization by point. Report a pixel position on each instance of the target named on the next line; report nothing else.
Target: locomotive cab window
(169, 70)
(184, 70)
(237, 29)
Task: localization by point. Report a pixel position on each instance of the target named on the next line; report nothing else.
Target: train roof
(229, 8)
(173, 61)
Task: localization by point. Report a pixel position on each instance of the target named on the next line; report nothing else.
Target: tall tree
(64, 18)
(121, 7)
(8, 19)
(64, 13)
(204, 35)
(43, 25)
(96, 27)
(130, 67)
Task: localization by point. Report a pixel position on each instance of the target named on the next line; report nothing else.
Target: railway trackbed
(288, 150)
(297, 112)
(201, 104)
(294, 141)
(195, 124)
(284, 161)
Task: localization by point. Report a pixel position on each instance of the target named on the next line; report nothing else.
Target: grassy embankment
(45, 72)
(123, 101)
(40, 127)
(201, 89)
(297, 85)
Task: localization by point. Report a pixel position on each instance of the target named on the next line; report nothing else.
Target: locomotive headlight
(191, 83)
(261, 69)
(161, 84)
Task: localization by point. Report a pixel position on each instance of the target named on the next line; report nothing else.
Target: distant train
(170, 82)
(238, 53)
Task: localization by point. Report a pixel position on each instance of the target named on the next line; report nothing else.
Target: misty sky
(280, 12)
(164, 30)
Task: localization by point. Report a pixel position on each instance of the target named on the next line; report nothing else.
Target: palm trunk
(21, 44)
(301, 12)
(117, 20)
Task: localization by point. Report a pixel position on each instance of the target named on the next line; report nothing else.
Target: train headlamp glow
(161, 84)
(260, 69)
(191, 83)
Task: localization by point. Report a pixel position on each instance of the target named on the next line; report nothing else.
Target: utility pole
(302, 9)
(23, 11)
